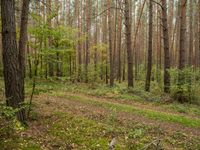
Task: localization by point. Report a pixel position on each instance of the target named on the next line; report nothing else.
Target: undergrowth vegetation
(75, 127)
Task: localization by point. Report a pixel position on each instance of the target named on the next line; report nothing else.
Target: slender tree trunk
(88, 7)
(22, 44)
(127, 16)
(191, 35)
(110, 44)
(79, 43)
(124, 66)
(95, 42)
(51, 71)
(115, 40)
(182, 49)
(150, 41)
(166, 48)
(29, 62)
(23, 36)
(119, 46)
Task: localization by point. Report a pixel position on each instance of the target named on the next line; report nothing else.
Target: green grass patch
(189, 122)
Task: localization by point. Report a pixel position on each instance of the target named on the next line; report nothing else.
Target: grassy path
(68, 119)
(79, 121)
(138, 110)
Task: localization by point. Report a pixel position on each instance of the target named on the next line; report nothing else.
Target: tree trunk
(79, 43)
(127, 16)
(119, 46)
(51, 72)
(110, 44)
(191, 35)
(182, 48)
(150, 41)
(95, 42)
(87, 46)
(22, 44)
(166, 48)
(13, 82)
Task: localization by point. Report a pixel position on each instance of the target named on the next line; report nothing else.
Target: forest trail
(109, 113)
(80, 107)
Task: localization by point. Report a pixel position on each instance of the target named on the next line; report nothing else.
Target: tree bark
(22, 44)
(127, 16)
(87, 46)
(119, 47)
(50, 40)
(191, 35)
(182, 48)
(110, 44)
(13, 82)
(166, 48)
(150, 41)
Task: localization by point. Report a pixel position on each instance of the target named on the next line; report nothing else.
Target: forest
(100, 74)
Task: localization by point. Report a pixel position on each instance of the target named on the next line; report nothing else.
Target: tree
(182, 48)
(119, 47)
(22, 44)
(127, 15)
(50, 40)
(166, 48)
(110, 44)
(87, 45)
(11, 67)
(191, 34)
(150, 41)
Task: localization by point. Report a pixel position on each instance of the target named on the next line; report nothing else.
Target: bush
(9, 125)
(187, 89)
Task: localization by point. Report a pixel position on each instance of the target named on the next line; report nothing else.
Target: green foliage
(187, 87)
(50, 42)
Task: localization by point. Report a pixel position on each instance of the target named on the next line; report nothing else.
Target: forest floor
(80, 116)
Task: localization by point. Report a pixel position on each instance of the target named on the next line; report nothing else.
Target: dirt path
(49, 104)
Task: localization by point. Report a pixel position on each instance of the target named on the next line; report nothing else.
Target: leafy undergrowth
(65, 131)
(10, 130)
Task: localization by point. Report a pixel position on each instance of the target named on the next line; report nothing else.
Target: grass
(71, 131)
(120, 92)
(189, 122)
(67, 130)
(16, 142)
(78, 132)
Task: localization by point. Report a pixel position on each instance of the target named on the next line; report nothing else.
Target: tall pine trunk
(127, 16)
(150, 41)
(110, 44)
(166, 48)
(182, 49)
